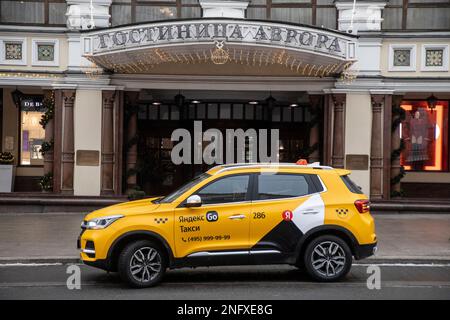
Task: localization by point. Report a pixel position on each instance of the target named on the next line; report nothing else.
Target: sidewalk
(51, 237)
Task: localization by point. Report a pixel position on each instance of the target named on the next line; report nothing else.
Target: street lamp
(432, 101)
(270, 101)
(16, 96)
(179, 100)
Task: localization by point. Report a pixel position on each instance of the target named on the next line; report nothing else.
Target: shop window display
(425, 136)
(31, 133)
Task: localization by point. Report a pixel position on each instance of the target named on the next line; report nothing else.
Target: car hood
(142, 206)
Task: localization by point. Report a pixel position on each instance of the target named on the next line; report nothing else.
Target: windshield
(175, 194)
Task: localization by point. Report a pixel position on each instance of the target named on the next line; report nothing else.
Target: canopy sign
(244, 32)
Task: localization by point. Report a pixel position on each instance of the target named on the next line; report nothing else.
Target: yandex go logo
(212, 216)
(287, 215)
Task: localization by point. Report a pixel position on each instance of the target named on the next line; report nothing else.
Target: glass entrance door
(155, 170)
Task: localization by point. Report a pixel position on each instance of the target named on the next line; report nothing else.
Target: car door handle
(237, 217)
(309, 211)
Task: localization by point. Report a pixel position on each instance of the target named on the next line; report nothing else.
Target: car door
(286, 205)
(221, 225)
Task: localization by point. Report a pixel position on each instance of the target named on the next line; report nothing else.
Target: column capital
(339, 101)
(68, 97)
(377, 102)
(108, 97)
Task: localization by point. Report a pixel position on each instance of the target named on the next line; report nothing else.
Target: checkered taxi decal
(161, 220)
(342, 212)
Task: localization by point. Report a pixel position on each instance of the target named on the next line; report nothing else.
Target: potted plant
(6, 171)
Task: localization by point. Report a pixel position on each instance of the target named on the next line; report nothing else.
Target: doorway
(158, 118)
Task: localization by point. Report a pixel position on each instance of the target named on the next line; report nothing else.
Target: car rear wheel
(142, 264)
(327, 258)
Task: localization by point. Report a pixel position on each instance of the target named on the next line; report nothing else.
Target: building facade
(91, 91)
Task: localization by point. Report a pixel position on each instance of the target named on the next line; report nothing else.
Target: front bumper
(99, 263)
(363, 251)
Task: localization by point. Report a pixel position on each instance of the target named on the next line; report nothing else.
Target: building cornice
(409, 34)
(32, 29)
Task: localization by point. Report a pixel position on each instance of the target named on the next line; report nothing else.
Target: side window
(276, 186)
(229, 189)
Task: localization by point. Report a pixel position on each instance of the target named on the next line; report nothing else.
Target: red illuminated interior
(439, 146)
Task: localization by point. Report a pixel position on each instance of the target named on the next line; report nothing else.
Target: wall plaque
(88, 158)
(357, 161)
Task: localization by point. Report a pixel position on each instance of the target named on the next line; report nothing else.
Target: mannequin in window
(418, 140)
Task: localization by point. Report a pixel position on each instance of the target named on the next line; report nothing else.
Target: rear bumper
(363, 251)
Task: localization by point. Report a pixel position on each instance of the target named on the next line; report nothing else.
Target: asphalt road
(398, 281)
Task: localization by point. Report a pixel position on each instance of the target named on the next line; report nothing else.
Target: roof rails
(228, 167)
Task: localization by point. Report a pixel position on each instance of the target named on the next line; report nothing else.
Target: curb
(373, 260)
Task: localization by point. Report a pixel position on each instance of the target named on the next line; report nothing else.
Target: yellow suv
(309, 216)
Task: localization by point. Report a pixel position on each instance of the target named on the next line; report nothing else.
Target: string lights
(29, 75)
(144, 61)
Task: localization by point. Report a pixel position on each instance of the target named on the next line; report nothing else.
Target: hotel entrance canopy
(223, 46)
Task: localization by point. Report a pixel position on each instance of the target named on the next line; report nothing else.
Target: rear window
(353, 187)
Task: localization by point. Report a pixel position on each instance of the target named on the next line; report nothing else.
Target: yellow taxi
(310, 216)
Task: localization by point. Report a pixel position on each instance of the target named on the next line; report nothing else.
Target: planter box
(6, 177)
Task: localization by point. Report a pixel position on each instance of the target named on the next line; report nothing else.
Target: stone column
(57, 146)
(107, 157)
(338, 130)
(68, 151)
(118, 142)
(131, 102)
(387, 148)
(49, 136)
(395, 144)
(314, 133)
(376, 148)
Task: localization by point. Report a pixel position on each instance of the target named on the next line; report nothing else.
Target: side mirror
(193, 201)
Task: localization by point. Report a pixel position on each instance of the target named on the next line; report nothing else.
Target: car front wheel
(327, 258)
(142, 264)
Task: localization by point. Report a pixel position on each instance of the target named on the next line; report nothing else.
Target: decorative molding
(412, 57)
(35, 52)
(4, 41)
(444, 58)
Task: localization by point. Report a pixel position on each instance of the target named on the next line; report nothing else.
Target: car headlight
(100, 223)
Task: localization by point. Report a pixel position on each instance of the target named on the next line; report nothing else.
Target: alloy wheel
(328, 259)
(145, 264)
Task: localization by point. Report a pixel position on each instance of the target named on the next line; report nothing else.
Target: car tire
(142, 264)
(327, 258)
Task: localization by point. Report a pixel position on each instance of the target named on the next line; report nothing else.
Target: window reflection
(425, 135)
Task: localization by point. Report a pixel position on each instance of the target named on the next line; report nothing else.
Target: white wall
(358, 124)
(87, 126)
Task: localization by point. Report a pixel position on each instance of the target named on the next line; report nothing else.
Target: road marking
(30, 264)
(432, 265)
(234, 284)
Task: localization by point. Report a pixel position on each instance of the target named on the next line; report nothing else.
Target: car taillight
(362, 205)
